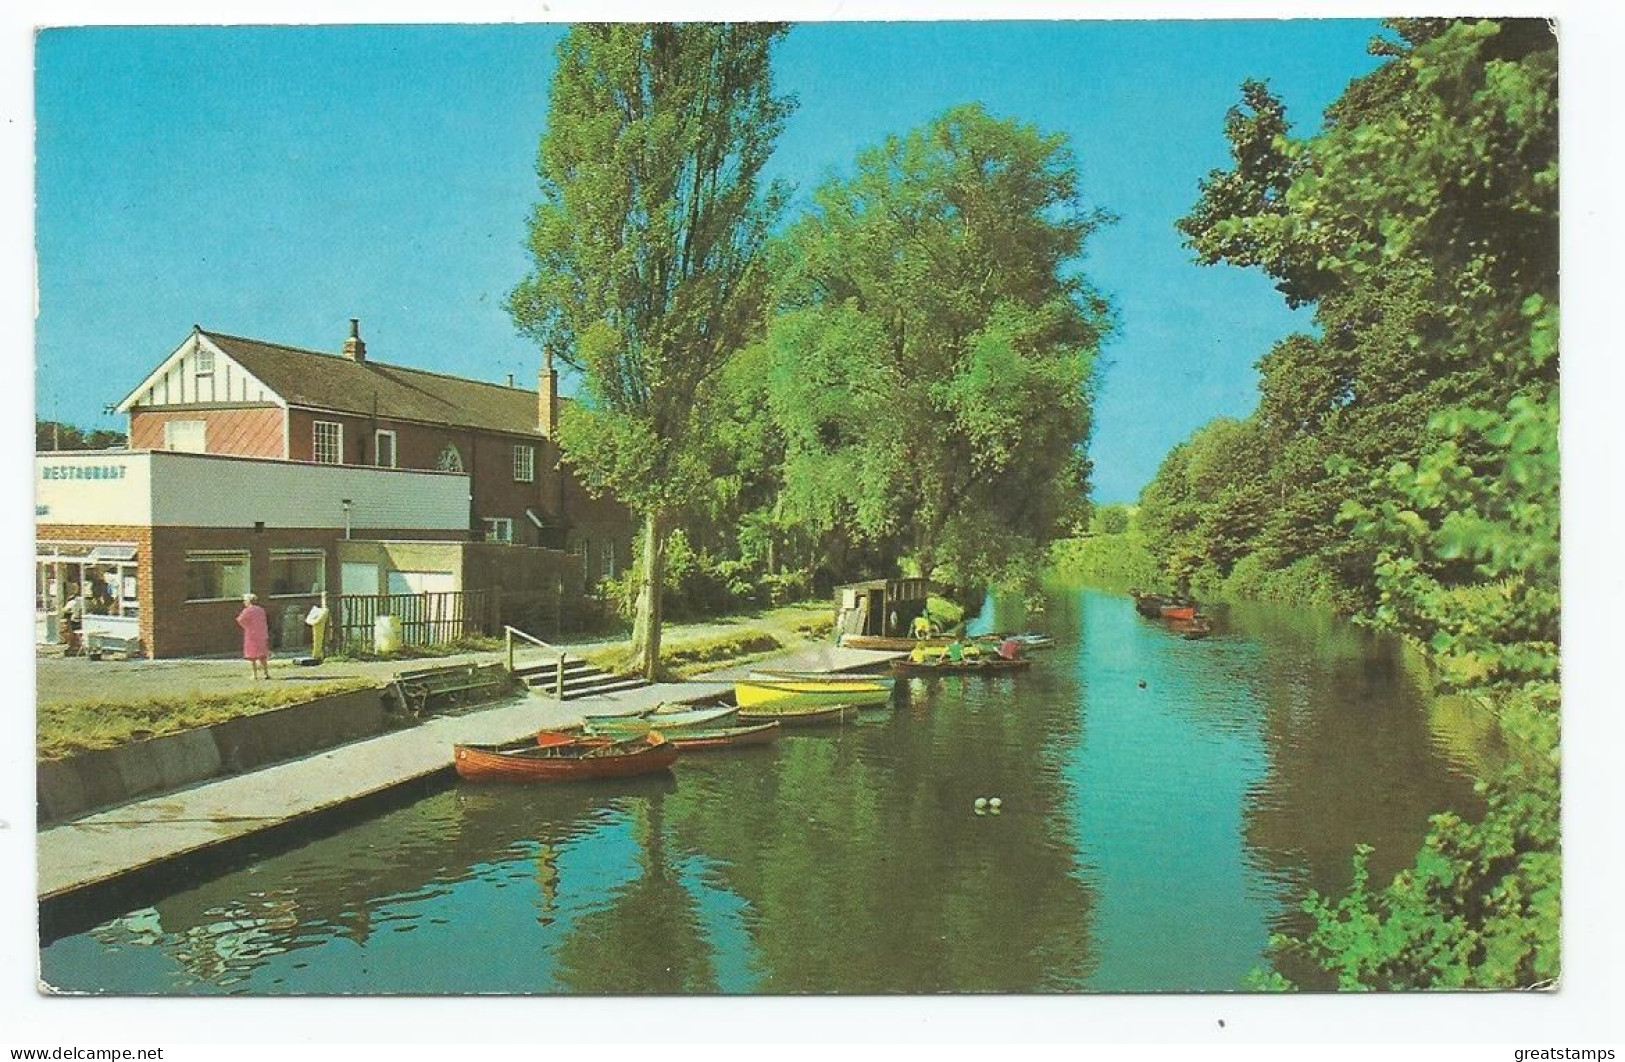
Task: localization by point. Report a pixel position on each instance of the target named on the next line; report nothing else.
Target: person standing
(256, 637)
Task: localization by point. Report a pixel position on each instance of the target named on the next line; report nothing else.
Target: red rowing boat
(551, 757)
(1179, 612)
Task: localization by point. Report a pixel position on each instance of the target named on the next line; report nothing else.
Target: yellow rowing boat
(786, 693)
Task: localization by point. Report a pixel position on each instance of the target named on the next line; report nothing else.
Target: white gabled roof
(241, 381)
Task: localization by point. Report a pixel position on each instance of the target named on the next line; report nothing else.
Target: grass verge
(82, 726)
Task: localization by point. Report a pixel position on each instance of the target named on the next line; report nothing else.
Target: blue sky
(274, 182)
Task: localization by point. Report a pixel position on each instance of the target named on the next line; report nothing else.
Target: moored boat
(1198, 627)
(799, 714)
(942, 665)
(554, 757)
(1180, 611)
(1029, 640)
(694, 739)
(712, 716)
(708, 739)
(776, 693)
(1150, 605)
(772, 675)
(888, 645)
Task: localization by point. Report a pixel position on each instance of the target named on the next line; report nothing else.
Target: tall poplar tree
(647, 247)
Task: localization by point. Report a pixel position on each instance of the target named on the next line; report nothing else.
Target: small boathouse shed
(880, 607)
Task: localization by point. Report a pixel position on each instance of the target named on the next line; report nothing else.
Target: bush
(1112, 560)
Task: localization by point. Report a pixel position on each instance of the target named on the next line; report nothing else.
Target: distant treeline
(54, 435)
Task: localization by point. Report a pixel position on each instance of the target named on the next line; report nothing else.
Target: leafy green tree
(53, 435)
(932, 357)
(1421, 424)
(647, 246)
(1419, 224)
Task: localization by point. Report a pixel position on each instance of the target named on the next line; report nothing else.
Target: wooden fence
(426, 619)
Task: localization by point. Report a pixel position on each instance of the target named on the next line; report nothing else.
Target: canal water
(1166, 806)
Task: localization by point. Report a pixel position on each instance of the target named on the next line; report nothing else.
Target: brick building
(294, 475)
(223, 394)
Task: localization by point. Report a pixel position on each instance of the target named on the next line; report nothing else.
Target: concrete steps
(581, 679)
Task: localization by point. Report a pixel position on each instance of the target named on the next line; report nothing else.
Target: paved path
(111, 844)
(61, 679)
(127, 838)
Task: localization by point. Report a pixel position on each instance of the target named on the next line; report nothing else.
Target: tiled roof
(334, 382)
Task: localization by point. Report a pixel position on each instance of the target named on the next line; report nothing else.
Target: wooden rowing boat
(554, 757)
(754, 694)
(1029, 640)
(771, 675)
(695, 739)
(799, 714)
(1192, 629)
(984, 665)
(725, 737)
(888, 645)
(1179, 612)
(711, 716)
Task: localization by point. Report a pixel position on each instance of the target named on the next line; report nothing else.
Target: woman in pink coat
(256, 637)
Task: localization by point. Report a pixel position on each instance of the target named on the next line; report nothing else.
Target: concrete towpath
(110, 844)
(103, 847)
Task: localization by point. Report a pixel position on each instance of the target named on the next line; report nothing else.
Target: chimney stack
(547, 395)
(354, 348)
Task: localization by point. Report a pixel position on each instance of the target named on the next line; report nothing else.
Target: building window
(329, 443)
(609, 559)
(580, 550)
(384, 448)
(216, 576)
(186, 436)
(298, 572)
(498, 529)
(450, 460)
(524, 464)
(203, 361)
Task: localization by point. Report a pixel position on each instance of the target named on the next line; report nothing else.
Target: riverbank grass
(62, 730)
(731, 640)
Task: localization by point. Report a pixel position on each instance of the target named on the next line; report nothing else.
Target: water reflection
(1166, 804)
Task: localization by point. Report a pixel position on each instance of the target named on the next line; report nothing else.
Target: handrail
(558, 678)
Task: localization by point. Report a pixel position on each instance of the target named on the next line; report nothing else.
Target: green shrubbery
(699, 584)
(1117, 560)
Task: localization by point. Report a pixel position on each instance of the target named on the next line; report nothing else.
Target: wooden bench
(418, 690)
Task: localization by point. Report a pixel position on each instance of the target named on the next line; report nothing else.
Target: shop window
(328, 446)
(524, 464)
(216, 576)
(186, 436)
(450, 460)
(385, 448)
(498, 529)
(298, 573)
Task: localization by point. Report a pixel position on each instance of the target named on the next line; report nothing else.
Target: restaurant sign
(77, 471)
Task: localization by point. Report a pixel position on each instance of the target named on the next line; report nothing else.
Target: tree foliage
(931, 361)
(53, 435)
(1409, 450)
(647, 248)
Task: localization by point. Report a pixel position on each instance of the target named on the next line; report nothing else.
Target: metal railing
(431, 618)
(509, 633)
